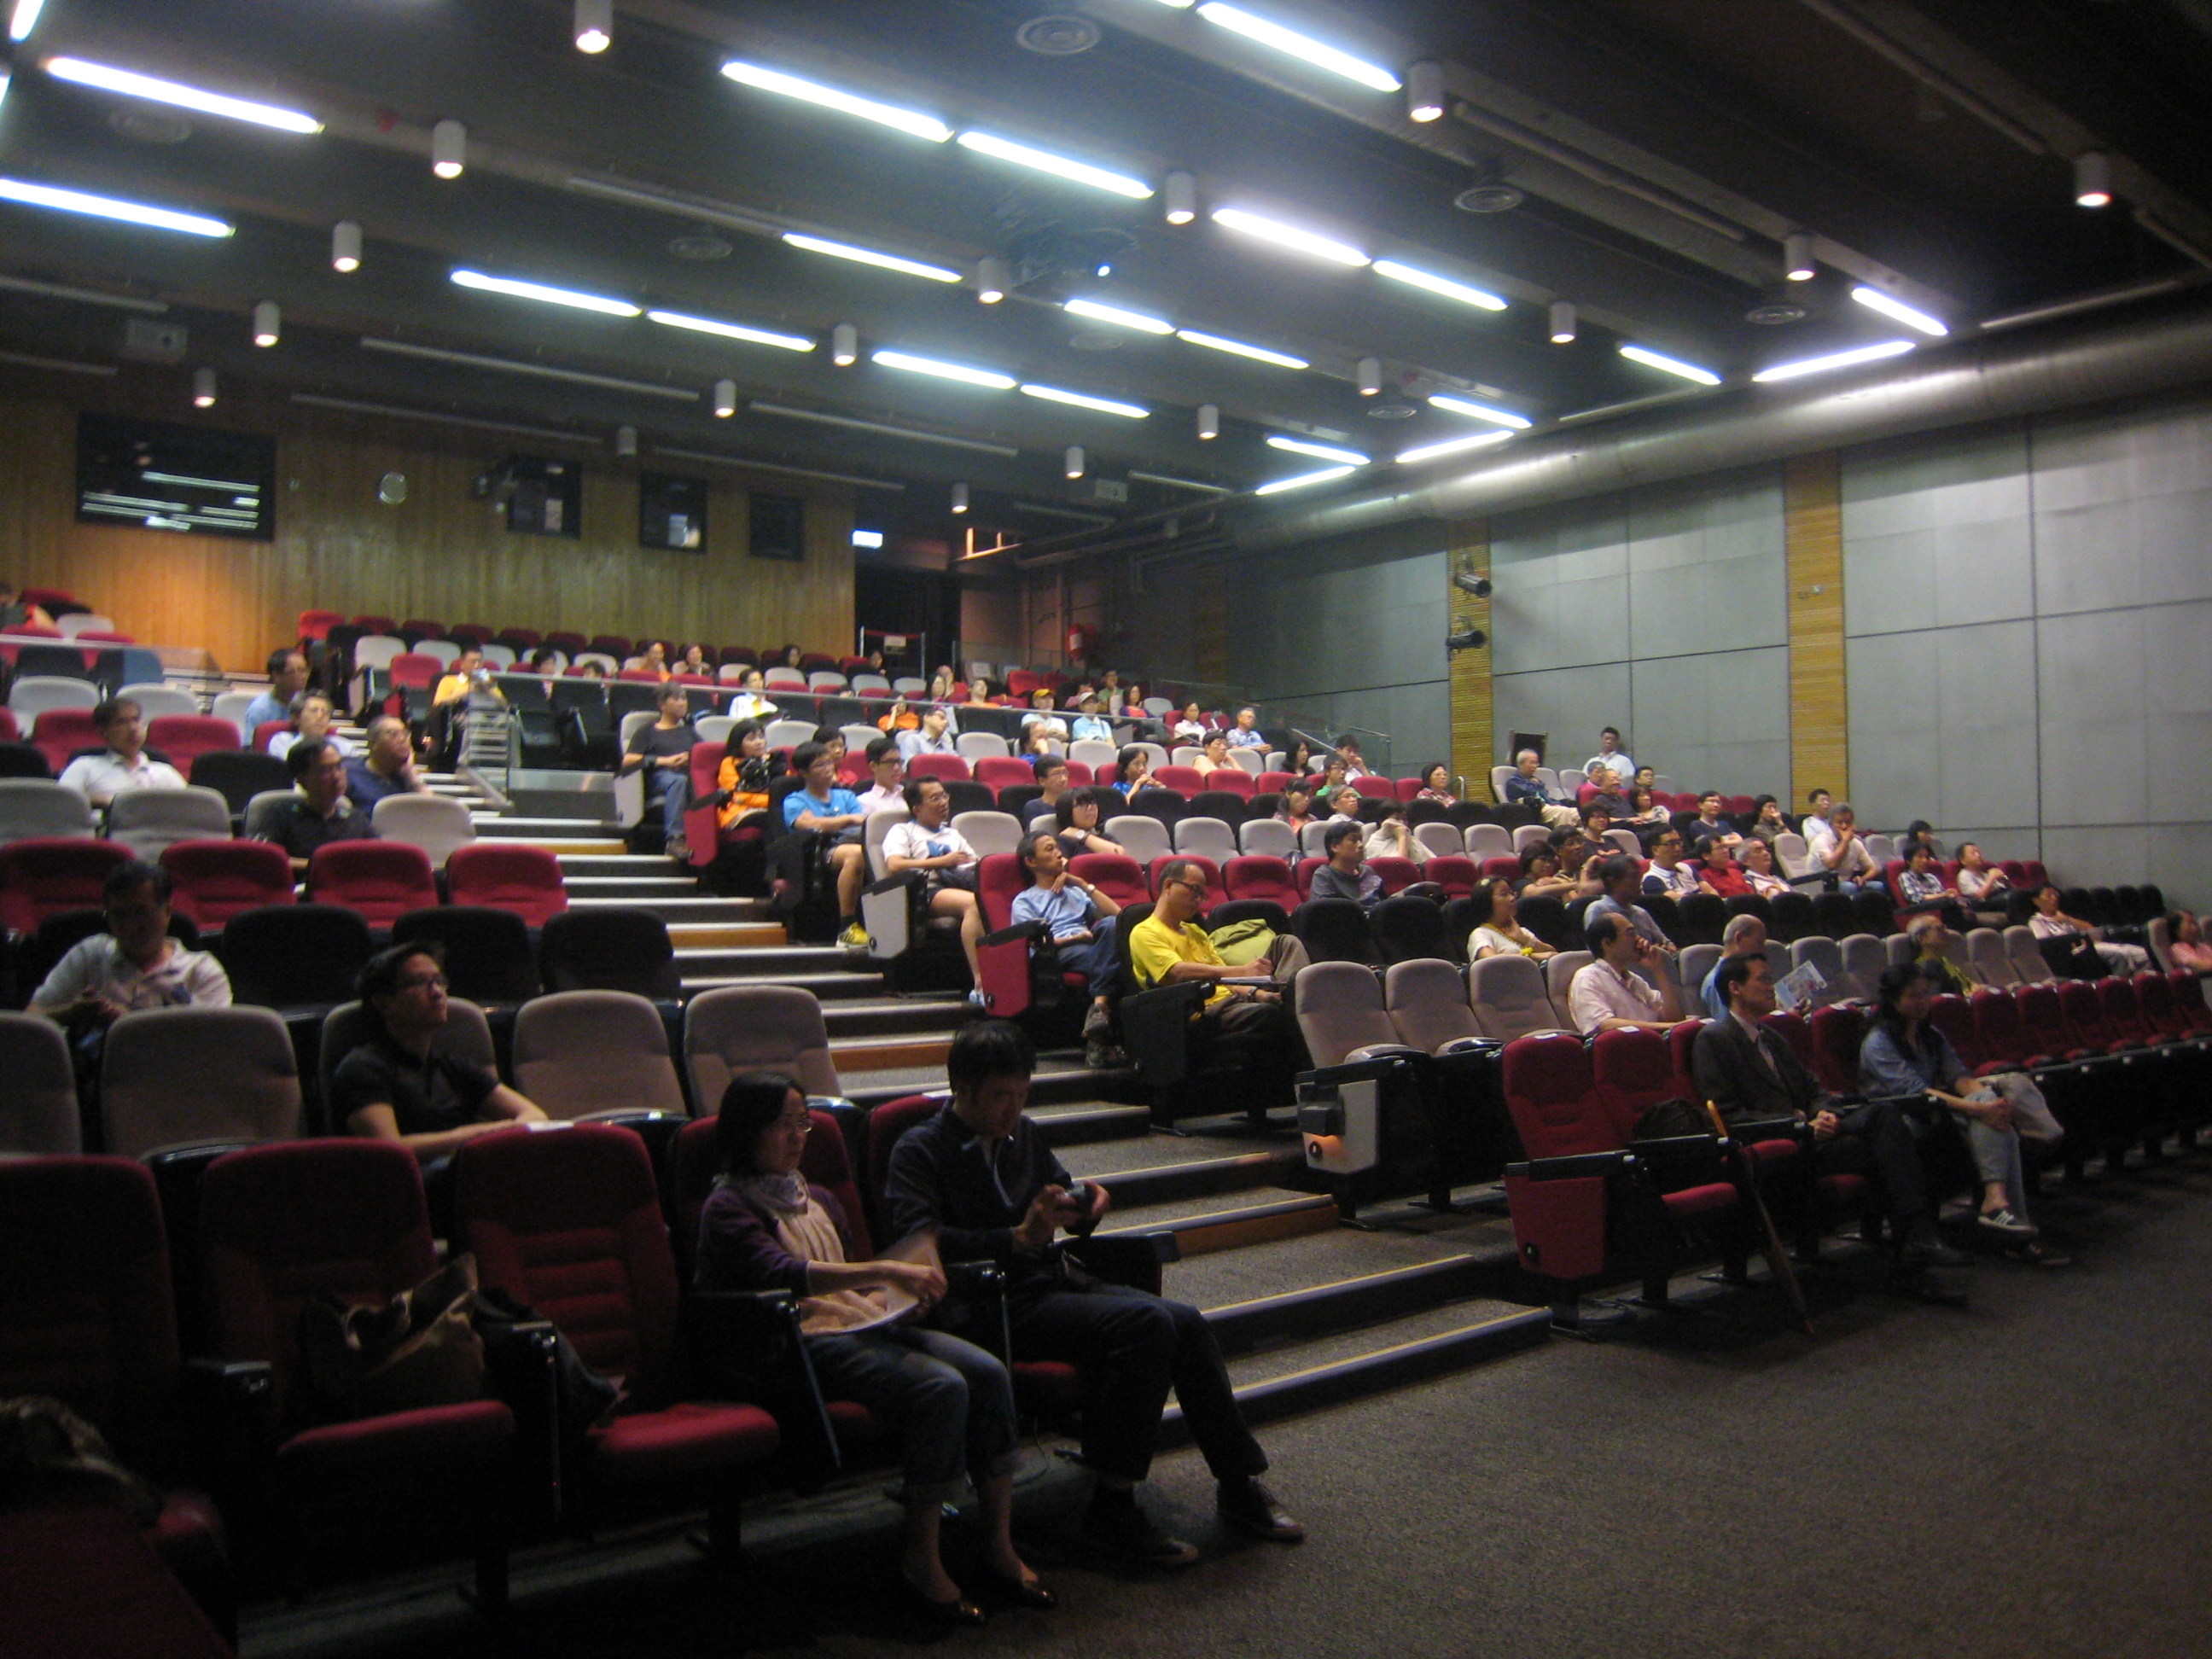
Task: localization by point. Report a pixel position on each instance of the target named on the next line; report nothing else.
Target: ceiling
(1656, 154)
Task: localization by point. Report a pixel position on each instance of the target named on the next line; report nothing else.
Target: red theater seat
(44, 875)
(216, 879)
(507, 876)
(379, 880)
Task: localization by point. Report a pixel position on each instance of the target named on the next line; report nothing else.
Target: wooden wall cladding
(441, 553)
(1820, 724)
(1466, 549)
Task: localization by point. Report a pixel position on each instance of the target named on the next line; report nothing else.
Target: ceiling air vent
(1058, 36)
(702, 245)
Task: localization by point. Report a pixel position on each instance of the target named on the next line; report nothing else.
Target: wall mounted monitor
(671, 513)
(544, 498)
(776, 527)
(151, 475)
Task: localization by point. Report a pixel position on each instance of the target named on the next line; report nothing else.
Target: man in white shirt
(1608, 995)
(100, 778)
(934, 737)
(887, 772)
(1667, 873)
(310, 718)
(135, 965)
(1832, 843)
(929, 845)
(1609, 755)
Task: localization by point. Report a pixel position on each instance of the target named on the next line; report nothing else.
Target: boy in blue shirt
(823, 805)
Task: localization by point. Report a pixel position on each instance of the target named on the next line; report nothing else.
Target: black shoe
(1248, 1504)
(1123, 1530)
(1934, 1253)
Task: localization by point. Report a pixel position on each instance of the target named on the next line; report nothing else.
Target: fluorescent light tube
(104, 207)
(24, 18)
(1299, 45)
(869, 256)
(1450, 446)
(732, 331)
(1323, 452)
(867, 539)
(1875, 299)
(1671, 365)
(1168, 478)
(540, 371)
(1303, 479)
(1289, 236)
(1834, 360)
(1081, 400)
(912, 122)
(945, 371)
(551, 296)
(1060, 166)
(168, 92)
(1434, 284)
(1259, 353)
(1482, 411)
(761, 407)
(1106, 314)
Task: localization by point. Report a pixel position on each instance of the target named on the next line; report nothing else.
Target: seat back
(1142, 837)
(1560, 971)
(149, 820)
(616, 948)
(1257, 878)
(33, 697)
(193, 1073)
(987, 832)
(1206, 838)
(437, 824)
(465, 1036)
(214, 879)
(1986, 954)
(1339, 1009)
(1004, 772)
(1837, 1033)
(1509, 999)
(183, 737)
(977, 746)
(1453, 872)
(156, 701)
(1633, 1071)
(888, 1124)
(238, 775)
(1398, 874)
(47, 875)
(1553, 1097)
(379, 880)
(948, 767)
(1864, 958)
(37, 1107)
(1118, 878)
(1695, 965)
(692, 1165)
(2028, 965)
(1426, 1000)
(1215, 892)
(285, 955)
(487, 951)
(1825, 956)
(504, 875)
(1410, 926)
(1268, 838)
(2084, 1007)
(581, 1053)
(36, 808)
(1185, 780)
(744, 1028)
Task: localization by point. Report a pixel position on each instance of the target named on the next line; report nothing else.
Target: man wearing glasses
(134, 964)
(319, 814)
(398, 1086)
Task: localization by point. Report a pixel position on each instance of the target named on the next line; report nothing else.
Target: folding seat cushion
(486, 951)
(571, 1224)
(1997, 1029)
(507, 876)
(746, 1028)
(619, 948)
(1453, 872)
(1256, 878)
(39, 1107)
(379, 881)
(1341, 1014)
(184, 738)
(582, 1054)
(45, 875)
(214, 880)
(191, 1074)
(61, 734)
(293, 956)
(148, 820)
(1398, 874)
(1123, 879)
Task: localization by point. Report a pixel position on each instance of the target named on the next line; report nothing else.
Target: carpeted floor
(2031, 1476)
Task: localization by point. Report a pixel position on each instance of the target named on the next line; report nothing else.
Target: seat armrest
(1035, 932)
(1581, 1166)
(523, 1372)
(230, 1414)
(1155, 1030)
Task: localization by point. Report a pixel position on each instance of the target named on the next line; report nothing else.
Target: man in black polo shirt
(320, 813)
(397, 1087)
(980, 1175)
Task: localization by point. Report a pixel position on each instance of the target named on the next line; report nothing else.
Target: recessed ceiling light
(202, 388)
(1875, 299)
(24, 18)
(1425, 91)
(1482, 411)
(945, 371)
(104, 207)
(268, 323)
(1450, 446)
(345, 246)
(726, 398)
(1671, 365)
(1084, 400)
(1321, 452)
(1562, 322)
(551, 296)
(1260, 354)
(911, 122)
(732, 331)
(2093, 180)
(449, 148)
(1081, 173)
(1834, 360)
(168, 92)
(1302, 479)
(595, 25)
(1434, 284)
(1289, 236)
(1370, 377)
(1797, 262)
(869, 256)
(1182, 206)
(1300, 45)
(1106, 314)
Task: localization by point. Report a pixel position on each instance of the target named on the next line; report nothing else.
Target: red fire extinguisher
(1082, 641)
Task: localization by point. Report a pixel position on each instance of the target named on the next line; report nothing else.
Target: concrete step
(892, 1016)
(1059, 1078)
(1161, 1168)
(858, 1057)
(827, 989)
(634, 890)
(1085, 1123)
(674, 909)
(561, 845)
(512, 827)
(1228, 1221)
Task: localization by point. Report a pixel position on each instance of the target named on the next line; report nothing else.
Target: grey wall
(2029, 621)
(1660, 610)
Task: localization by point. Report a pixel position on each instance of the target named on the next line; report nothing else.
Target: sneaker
(855, 938)
(1098, 1025)
(2004, 1221)
(1097, 1051)
(678, 851)
(1248, 1504)
(1123, 1530)
(977, 999)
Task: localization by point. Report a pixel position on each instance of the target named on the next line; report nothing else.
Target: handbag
(49, 1455)
(417, 1350)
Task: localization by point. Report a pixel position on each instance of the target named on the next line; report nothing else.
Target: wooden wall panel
(1812, 514)
(440, 554)
(1466, 548)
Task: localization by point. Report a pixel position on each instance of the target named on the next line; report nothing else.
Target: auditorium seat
(1986, 952)
(747, 1028)
(1336, 930)
(238, 775)
(1397, 874)
(615, 948)
(988, 832)
(32, 696)
(1184, 780)
(1427, 1002)
(1408, 926)
(506, 876)
(1142, 836)
(177, 1076)
(38, 1107)
(1252, 876)
(287, 956)
(183, 738)
(61, 733)
(214, 879)
(379, 881)
(1206, 838)
(156, 701)
(1268, 838)
(1836, 1032)
(1342, 1016)
(1826, 957)
(1122, 879)
(465, 1036)
(937, 766)
(593, 1053)
(45, 875)
(438, 824)
(148, 820)
(1560, 969)
(487, 953)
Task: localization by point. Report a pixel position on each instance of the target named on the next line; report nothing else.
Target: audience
(1393, 837)
(386, 767)
(1607, 995)
(467, 678)
(1669, 875)
(1246, 733)
(1610, 757)
(1832, 843)
(1921, 883)
(15, 612)
(1618, 884)
(1982, 885)
(1345, 876)
(1744, 936)
(741, 781)
(981, 1175)
(1052, 783)
(1347, 750)
(1709, 823)
(1767, 822)
(1500, 932)
(1191, 728)
(662, 751)
(1436, 784)
(1132, 770)
(1645, 812)
(933, 735)
(943, 685)
(1758, 857)
(1296, 809)
(1091, 725)
(287, 678)
(318, 811)
(928, 844)
(133, 964)
(1041, 724)
(750, 703)
(1215, 756)
(1540, 876)
(822, 807)
(886, 776)
(1931, 941)
(899, 718)
(1080, 921)
(2049, 922)
(1601, 793)
(311, 718)
(1525, 786)
(124, 765)
(1718, 873)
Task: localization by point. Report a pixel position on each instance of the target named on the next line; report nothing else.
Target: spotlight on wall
(202, 388)
(345, 246)
(595, 25)
(2093, 180)
(1370, 376)
(726, 398)
(844, 345)
(1425, 92)
(1209, 420)
(1562, 322)
(1472, 640)
(268, 323)
(1179, 194)
(449, 148)
(1467, 582)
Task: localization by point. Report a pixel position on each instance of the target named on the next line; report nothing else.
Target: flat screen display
(194, 480)
(671, 513)
(776, 527)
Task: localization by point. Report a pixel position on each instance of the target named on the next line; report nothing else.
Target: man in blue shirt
(1089, 724)
(933, 737)
(287, 678)
(1525, 785)
(822, 805)
(1080, 920)
(1246, 733)
(1617, 876)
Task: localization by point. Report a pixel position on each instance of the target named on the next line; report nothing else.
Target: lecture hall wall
(441, 554)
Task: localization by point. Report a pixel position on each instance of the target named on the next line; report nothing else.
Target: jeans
(1996, 1151)
(1140, 1345)
(1094, 961)
(673, 790)
(952, 1402)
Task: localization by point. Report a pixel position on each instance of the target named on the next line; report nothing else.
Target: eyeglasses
(416, 984)
(803, 1126)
